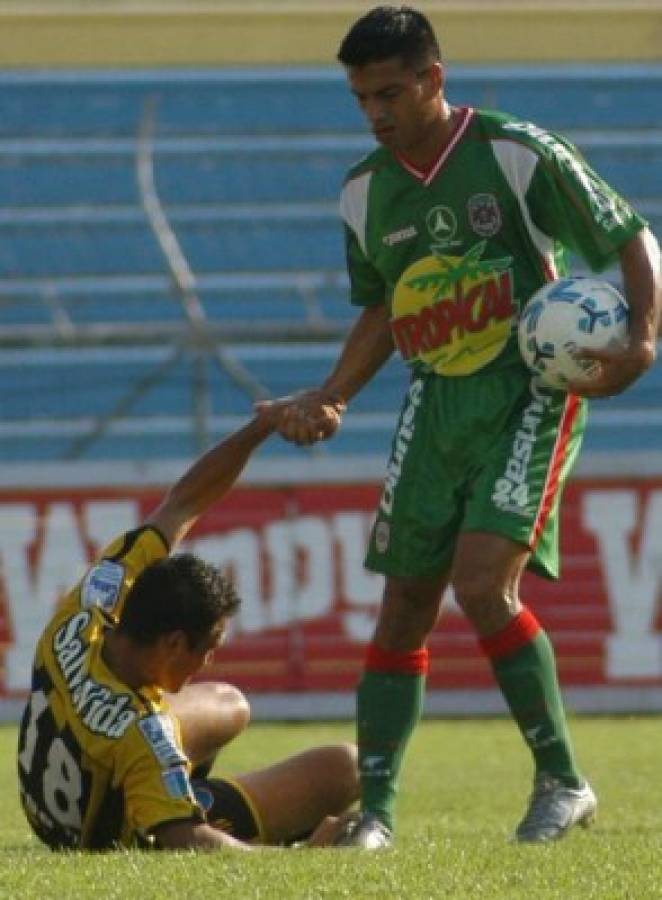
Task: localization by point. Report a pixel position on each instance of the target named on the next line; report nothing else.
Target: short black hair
(387, 32)
(179, 593)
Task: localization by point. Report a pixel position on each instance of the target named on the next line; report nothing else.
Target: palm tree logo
(470, 267)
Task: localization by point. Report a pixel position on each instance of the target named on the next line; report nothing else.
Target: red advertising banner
(308, 608)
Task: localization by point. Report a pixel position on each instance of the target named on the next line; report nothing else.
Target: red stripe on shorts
(414, 662)
(518, 632)
(559, 454)
(551, 272)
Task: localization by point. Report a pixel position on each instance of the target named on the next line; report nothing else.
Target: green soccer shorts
(478, 453)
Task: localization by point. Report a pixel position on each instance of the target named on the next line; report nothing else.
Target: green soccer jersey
(457, 251)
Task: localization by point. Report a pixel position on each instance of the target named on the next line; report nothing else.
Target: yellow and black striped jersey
(99, 764)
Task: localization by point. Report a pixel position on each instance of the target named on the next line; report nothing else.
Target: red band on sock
(518, 632)
(414, 662)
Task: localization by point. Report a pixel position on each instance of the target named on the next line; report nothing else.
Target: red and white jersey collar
(426, 176)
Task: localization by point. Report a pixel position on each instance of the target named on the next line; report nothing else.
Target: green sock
(389, 705)
(528, 681)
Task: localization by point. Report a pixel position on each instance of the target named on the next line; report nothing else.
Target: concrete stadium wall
(172, 32)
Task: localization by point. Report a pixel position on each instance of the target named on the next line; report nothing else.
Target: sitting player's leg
(285, 801)
(210, 715)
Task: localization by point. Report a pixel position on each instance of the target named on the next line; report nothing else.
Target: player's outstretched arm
(188, 835)
(200, 836)
(209, 478)
(316, 414)
(642, 281)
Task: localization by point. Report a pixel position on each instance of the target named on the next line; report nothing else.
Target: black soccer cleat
(366, 832)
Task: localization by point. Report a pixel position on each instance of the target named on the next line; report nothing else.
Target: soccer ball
(564, 316)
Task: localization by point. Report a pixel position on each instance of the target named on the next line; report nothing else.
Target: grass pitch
(465, 786)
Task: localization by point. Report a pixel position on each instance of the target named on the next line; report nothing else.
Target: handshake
(304, 418)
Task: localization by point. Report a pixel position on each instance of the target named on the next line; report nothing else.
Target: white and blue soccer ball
(564, 316)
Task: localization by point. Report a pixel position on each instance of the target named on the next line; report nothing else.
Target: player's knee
(232, 708)
(343, 762)
(479, 594)
(407, 615)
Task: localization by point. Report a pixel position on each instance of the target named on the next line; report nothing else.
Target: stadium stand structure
(98, 360)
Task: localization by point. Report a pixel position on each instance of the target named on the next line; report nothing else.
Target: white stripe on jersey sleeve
(518, 164)
(354, 206)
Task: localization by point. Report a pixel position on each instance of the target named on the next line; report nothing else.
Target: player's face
(399, 103)
(181, 662)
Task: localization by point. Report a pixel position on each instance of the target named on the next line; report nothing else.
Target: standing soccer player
(451, 224)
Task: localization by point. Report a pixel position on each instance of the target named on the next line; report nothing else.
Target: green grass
(465, 785)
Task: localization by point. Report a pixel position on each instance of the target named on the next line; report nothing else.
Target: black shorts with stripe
(228, 808)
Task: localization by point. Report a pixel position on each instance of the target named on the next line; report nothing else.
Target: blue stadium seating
(248, 164)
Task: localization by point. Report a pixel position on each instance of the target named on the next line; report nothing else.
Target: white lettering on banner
(238, 554)
(358, 587)
(61, 561)
(30, 596)
(294, 596)
(300, 596)
(292, 599)
(18, 527)
(633, 583)
(296, 593)
(289, 570)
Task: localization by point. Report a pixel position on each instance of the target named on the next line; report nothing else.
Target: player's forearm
(187, 836)
(368, 346)
(210, 477)
(640, 264)
(214, 473)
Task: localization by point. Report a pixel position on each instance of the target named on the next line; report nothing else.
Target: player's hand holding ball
(616, 370)
(307, 417)
(574, 334)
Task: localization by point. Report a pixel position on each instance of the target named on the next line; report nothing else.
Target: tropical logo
(454, 313)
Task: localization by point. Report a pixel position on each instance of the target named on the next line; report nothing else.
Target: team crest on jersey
(441, 223)
(159, 732)
(454, 314)
(102, 585)
(484, 214)
(203, 796)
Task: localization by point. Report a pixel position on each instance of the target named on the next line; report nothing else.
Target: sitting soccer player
(114, 744)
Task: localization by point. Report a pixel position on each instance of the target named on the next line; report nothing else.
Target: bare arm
(368, 346)
(195, 836)
(316, 414)
(208, 479)
(640, 265)
(199, 836)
